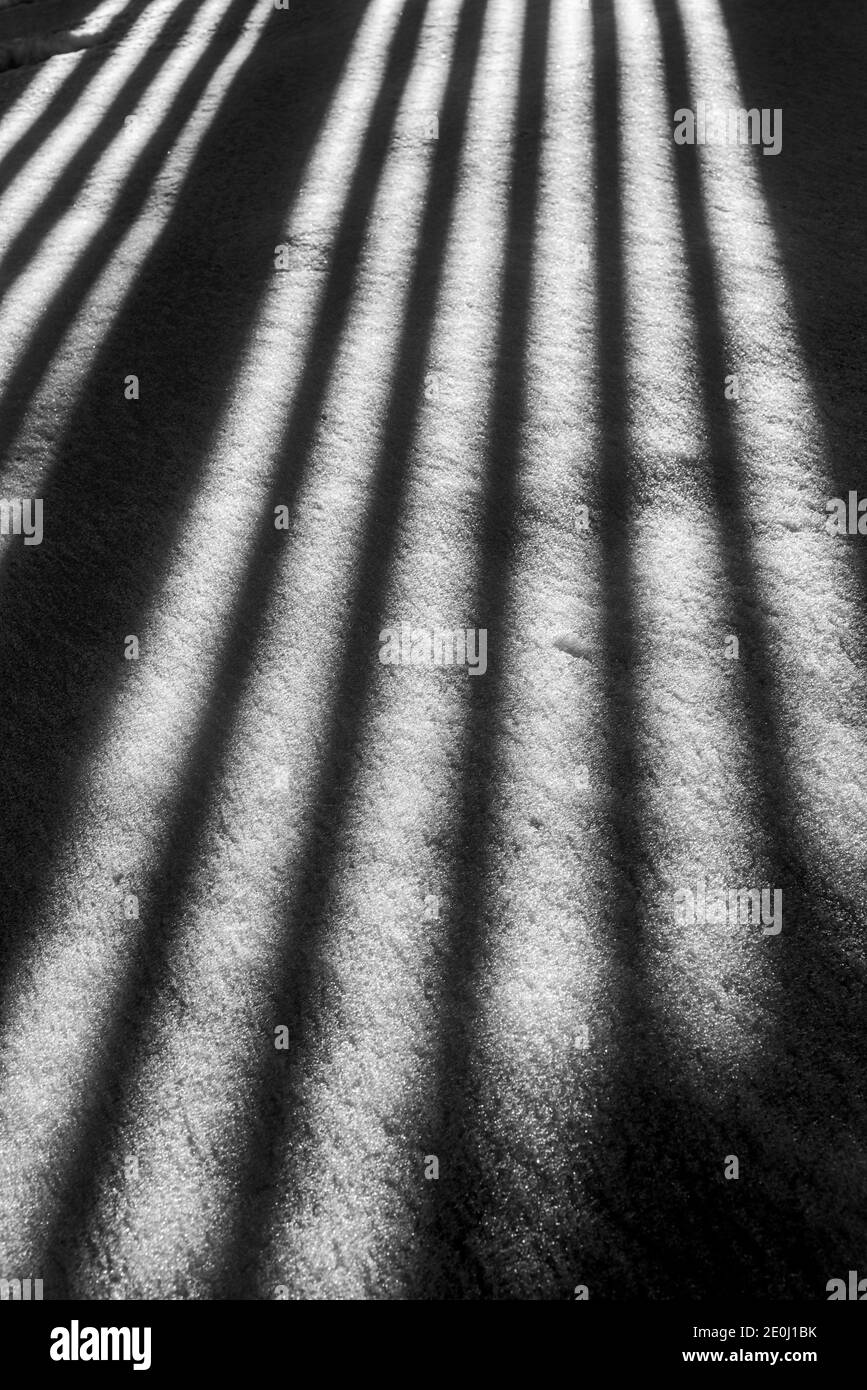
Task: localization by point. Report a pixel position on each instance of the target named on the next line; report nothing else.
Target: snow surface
(456, 894)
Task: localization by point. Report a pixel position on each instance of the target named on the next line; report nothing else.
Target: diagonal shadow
(115, 502)
(150, 970)
(301, 993)
(25, 245)
(608, 1159)
(454, 1260)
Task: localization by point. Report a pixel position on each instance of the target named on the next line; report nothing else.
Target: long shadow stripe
(454, 1260)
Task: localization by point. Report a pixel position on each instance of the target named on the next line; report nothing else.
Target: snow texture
(321, 321)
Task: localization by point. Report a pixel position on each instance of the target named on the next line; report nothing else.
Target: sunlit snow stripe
(99, 22)
(696, 823)
(661, 355)
(126, 793)
(807, 577)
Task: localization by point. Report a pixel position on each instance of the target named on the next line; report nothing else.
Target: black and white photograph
(433, 662)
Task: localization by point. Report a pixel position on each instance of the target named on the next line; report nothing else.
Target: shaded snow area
(336, 341)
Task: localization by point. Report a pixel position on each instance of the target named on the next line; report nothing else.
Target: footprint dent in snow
(574, 644)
